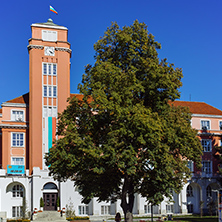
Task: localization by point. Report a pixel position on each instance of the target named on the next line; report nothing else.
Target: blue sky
(189, 31)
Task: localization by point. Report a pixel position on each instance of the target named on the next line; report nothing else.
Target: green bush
(41, 202)
(77, 218)
(18, 220)
(58, 202)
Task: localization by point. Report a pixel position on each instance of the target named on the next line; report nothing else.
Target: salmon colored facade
(51, 56)
(207, 120)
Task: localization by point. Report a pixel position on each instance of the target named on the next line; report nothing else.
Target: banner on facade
(16, 169)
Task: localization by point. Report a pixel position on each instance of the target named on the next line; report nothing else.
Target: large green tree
(125, 136)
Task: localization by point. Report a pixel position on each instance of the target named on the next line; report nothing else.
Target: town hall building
(28, 128)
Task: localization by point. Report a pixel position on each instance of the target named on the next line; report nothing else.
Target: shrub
(41, 202)
(18, 220)
(58, 202)
(77, 218)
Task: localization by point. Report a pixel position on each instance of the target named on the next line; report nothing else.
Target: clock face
(49, 51)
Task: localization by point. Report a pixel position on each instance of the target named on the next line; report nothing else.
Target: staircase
(49, 216)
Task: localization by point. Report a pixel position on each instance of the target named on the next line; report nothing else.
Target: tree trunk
(127, 199)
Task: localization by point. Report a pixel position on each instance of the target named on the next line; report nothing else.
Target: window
(105, 210)
(206, 167)
(16, 211)
(169, 208)
(49, 35)
(205, 124)
(190, 208)
(206, 144)
(45, 91)
(17, 115)
(220, 125)
(147, 209)
(83, 209)
(54, 69)
(49, 91)
(17, 191)
(50, 186)
(44, 68)
(190, 165)
(18, 139)
(49, 111)
(189, 191)
(209, 191)
(17, 161)
(49, 69)
(54, 91)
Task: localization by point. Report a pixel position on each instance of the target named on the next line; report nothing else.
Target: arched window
(17, 191)
(189, 191)
(209, 191)
(50, 186)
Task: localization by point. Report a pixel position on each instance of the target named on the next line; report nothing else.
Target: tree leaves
(127, 135)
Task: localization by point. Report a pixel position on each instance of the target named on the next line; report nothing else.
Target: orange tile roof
(199, 107)
(24, 99)
(0, 110)
(79, 96)
(195, 107)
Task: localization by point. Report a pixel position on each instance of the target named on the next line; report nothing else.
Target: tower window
(45, 91)
(54, 91)
(49, 35)
(49, 69)
(50, 91)
(54, 69)
(44, 68)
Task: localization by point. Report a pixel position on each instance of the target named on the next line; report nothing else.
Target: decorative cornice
(45, 25)
(63, 49)
(35, 47)
(8, 126)
(207, 115)
(15, 104)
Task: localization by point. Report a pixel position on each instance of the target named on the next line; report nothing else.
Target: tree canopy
(125, 136)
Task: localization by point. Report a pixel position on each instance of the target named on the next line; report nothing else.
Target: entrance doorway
(50, 201)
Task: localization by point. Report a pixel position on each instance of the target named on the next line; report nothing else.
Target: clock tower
(49, 73)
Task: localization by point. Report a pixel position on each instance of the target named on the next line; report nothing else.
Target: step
(49, 216)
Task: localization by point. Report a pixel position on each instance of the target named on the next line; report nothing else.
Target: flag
(53, 10)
